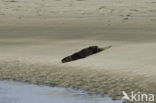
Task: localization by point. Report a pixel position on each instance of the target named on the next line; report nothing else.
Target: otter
(84, 53)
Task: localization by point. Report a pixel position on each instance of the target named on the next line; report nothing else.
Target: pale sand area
(36, 35)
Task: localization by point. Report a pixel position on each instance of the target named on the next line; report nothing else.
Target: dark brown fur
(83, 53)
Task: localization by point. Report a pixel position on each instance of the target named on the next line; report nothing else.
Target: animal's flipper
(107, 47)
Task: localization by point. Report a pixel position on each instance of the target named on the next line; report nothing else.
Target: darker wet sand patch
(91, 80)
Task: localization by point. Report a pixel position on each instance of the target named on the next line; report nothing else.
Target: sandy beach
(36, 34)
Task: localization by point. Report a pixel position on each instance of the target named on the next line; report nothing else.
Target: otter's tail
(107, 47)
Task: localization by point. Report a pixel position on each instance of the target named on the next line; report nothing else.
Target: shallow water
(17, 92)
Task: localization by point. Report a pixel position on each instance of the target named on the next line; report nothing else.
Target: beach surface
(36, 34)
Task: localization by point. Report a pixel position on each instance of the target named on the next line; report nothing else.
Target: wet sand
(32, 45)
(127, 66)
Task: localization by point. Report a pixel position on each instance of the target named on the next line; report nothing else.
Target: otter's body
(83, 53)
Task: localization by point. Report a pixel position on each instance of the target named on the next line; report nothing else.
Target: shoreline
(96, 82)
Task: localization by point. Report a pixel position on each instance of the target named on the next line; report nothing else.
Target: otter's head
(67, 59)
